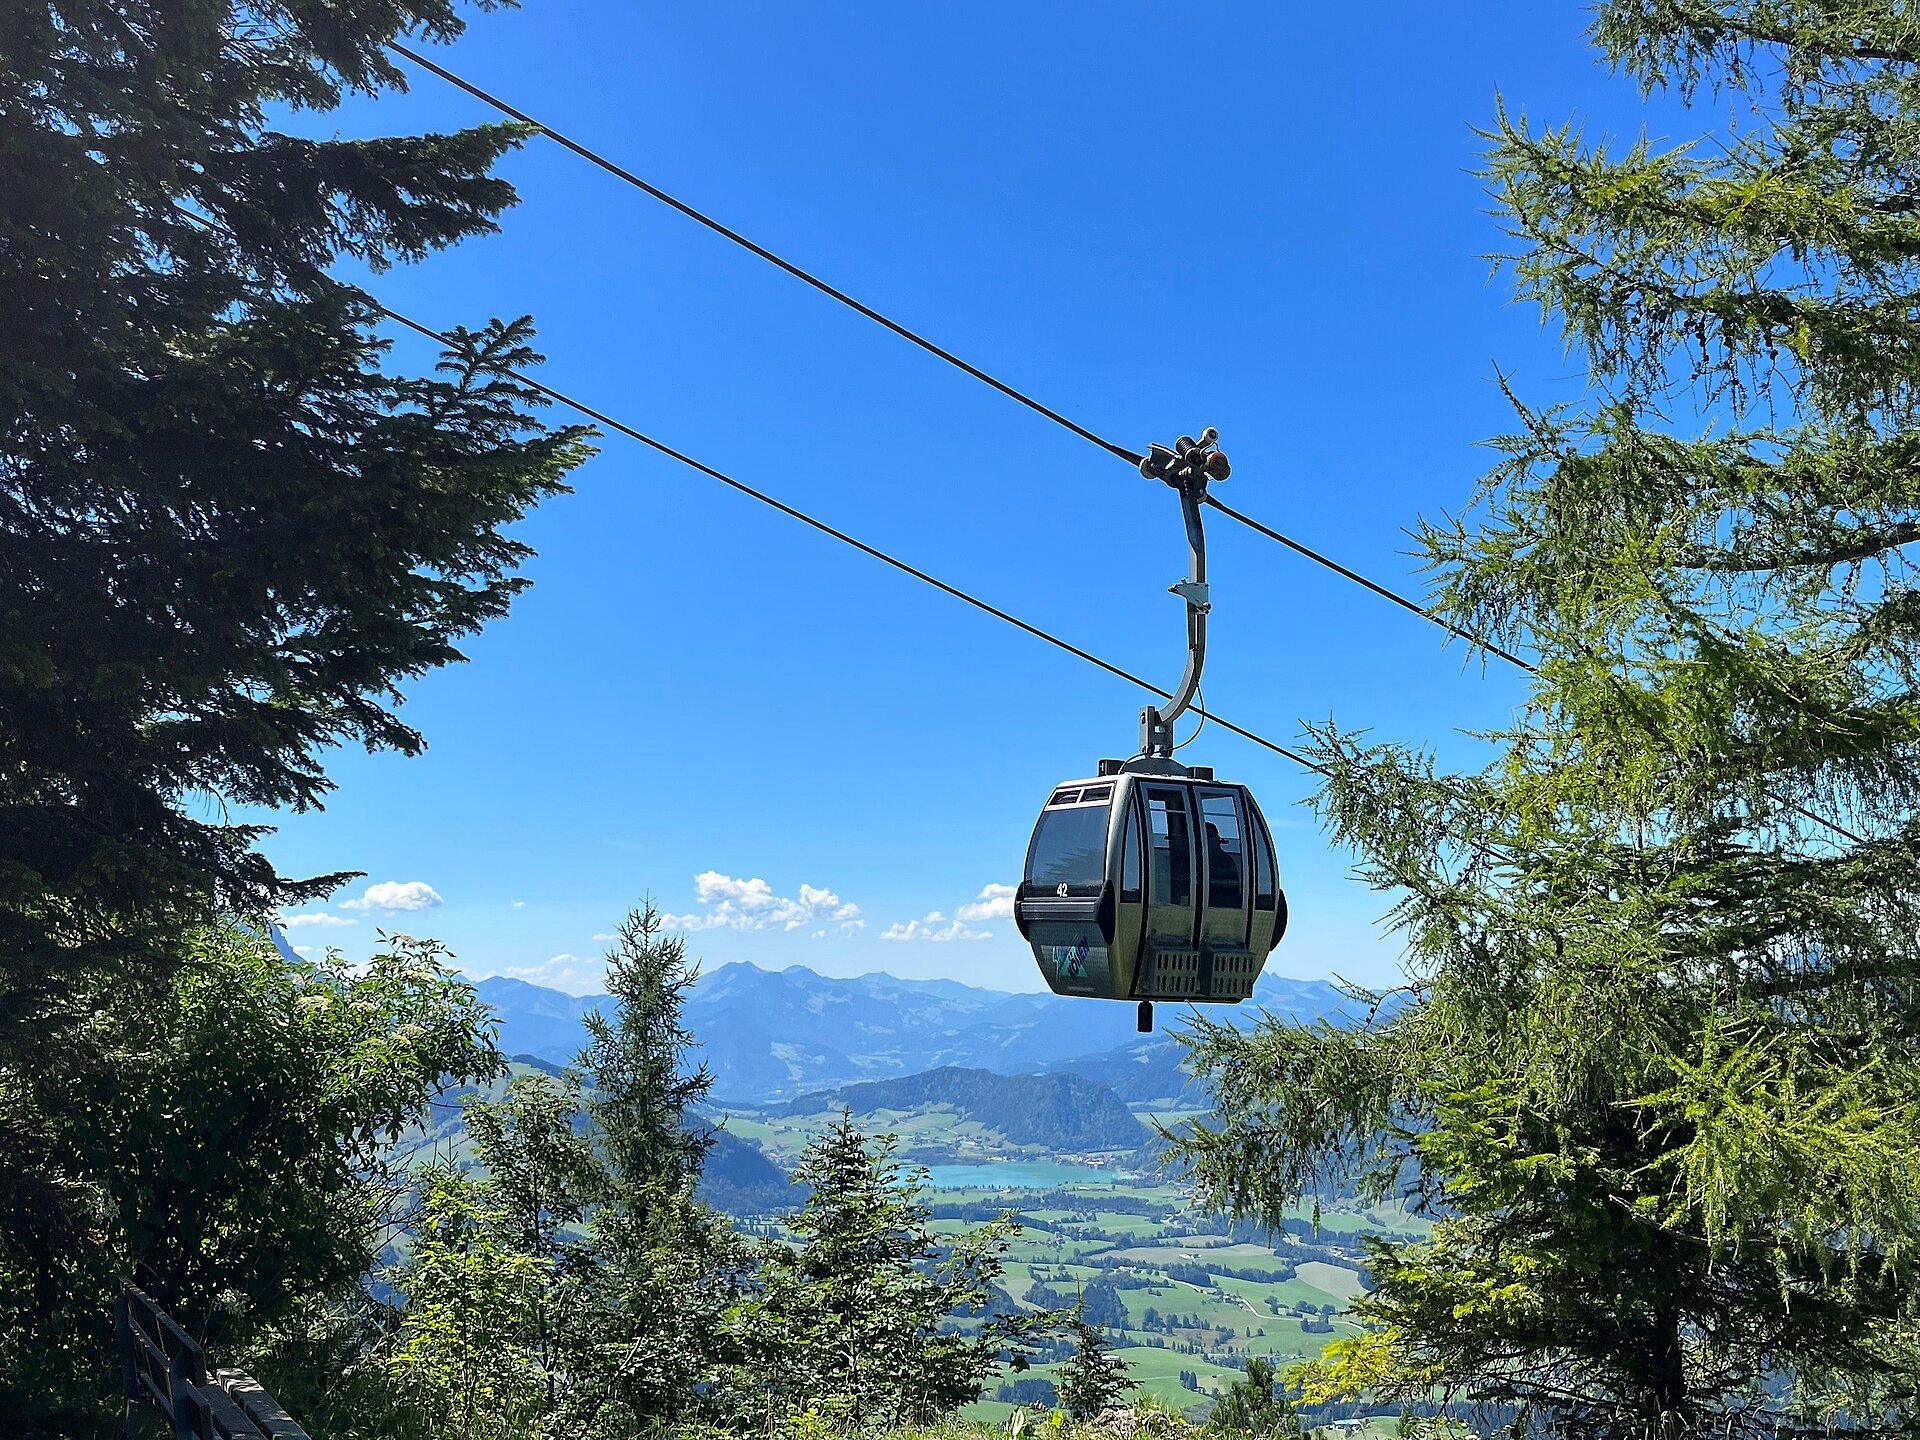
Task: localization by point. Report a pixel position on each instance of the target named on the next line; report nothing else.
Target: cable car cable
(612, 423)
(622, 173)
(561, 397)
(601, 417)
(1798, 809)
(1398, 599)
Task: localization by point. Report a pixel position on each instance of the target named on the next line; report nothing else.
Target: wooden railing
(163, 1366)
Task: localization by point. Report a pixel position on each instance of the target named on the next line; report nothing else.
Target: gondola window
(1069, 848)
(1220, 818)
(1172, 858)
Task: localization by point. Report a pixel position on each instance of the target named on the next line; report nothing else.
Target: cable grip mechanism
(1194, 593)
(1188, 467)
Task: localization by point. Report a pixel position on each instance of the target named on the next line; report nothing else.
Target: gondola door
(1170, 962)
(1228, 964)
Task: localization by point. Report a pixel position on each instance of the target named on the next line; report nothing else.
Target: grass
(1200, 1250)
(1335, 1279)
(1116, 1223)
(1086, 1240)
(1288, 1292)
(1089, 1238)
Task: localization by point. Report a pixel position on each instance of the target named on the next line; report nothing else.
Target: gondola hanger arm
(1188, 467)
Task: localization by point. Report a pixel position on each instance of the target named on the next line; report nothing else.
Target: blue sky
(1260, 218)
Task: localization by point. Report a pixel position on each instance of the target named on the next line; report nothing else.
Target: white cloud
(734, 904)
(562, 972)
(519, 904)
(317, 917)
(994, 902)
(936, 927)
(606, 936)
(396, 895)
(303, 951)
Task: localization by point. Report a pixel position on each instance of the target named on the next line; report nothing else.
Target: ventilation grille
(1234, 972)
(1170, 974)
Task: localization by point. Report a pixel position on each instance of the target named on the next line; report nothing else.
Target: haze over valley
(774, 1034)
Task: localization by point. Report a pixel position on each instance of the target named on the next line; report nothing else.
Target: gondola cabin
(1142, 886)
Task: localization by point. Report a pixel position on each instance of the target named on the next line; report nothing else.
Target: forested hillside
(1624, 1144)
(1062, 1112)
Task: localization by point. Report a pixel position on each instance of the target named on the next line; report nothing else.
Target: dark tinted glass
(1172, 857)
(1262, 865)
(1064, 797)
(1226, 856)
(1069, 848)
(1130, 855)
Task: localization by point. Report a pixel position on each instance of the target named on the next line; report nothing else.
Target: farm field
(1185, 1301)
(1186, 1298)
(936, 1137)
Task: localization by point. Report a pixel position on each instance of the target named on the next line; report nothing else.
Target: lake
(1017, 1175)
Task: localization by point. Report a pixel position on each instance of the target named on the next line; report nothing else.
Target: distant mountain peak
(772, 1034)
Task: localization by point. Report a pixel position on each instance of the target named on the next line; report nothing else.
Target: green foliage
(654, 1339)
(227, 533)
(857, 1318)
(1093, 1378)
(641, 1064)
(665, 1267)
(1097, 1302)
(492, 1291)
(1659, 1082)
(574, 1250)
(1255, 1404)
(465, 1356)
(232, 1144)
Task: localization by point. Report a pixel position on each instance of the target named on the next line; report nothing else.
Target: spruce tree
(1255, 1405)
(1657, 1079)
(228, 530)
(641, 1064)
(1092, 1378)
(665, 1266)
(869, 1317)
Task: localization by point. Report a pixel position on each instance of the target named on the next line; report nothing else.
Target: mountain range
(769, 1035)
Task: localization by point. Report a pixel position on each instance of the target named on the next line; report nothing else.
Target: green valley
(1186, 1298)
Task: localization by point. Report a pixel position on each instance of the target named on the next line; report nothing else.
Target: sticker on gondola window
(1080, 964)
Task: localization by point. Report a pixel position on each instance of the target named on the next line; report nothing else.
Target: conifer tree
(1255, 1405)
(1658, 1079)
(228, 531)
(1092, 1378)
(665, 1266)
(870, 1317)
(640, 1062)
